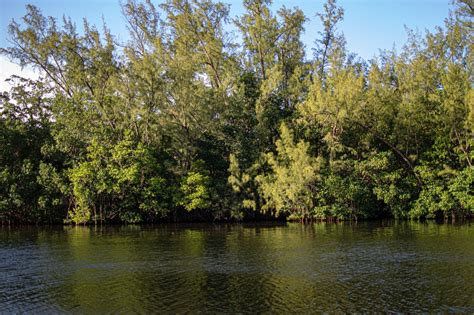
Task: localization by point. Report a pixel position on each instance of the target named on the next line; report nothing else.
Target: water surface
(246, 268)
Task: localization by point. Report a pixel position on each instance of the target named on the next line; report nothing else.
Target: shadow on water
(387, 266)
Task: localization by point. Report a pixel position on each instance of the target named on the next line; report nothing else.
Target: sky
(368, 25)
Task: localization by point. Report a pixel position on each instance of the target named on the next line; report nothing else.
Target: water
(205, 268)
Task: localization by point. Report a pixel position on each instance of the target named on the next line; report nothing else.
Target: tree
(289, 187)
(120, 180)
(185, 122)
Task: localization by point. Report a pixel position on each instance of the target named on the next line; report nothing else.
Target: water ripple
(410, 267)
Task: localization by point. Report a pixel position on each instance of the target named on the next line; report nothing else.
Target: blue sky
(369, 25)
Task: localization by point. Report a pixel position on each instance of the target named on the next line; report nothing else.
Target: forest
(188, 122)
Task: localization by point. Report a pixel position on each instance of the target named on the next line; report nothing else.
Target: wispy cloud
(8, 68)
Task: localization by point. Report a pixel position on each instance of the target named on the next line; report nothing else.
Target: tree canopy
(184, 122)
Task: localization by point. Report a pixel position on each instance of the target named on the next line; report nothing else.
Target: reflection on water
(370, 266)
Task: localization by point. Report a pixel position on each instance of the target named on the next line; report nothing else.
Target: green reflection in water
(368, 266)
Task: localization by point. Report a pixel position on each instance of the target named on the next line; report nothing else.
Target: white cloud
(8, 68)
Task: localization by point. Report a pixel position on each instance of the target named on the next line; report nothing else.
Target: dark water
(373, 266)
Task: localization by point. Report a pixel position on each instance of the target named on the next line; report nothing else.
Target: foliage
(194, 188)
(123, 174)
(289, 188)
(183, 121)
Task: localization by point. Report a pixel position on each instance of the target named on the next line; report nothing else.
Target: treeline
(184, 122)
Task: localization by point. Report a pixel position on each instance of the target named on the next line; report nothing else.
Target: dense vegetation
(186, 122)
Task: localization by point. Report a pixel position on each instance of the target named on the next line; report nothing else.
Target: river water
(239, 268)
